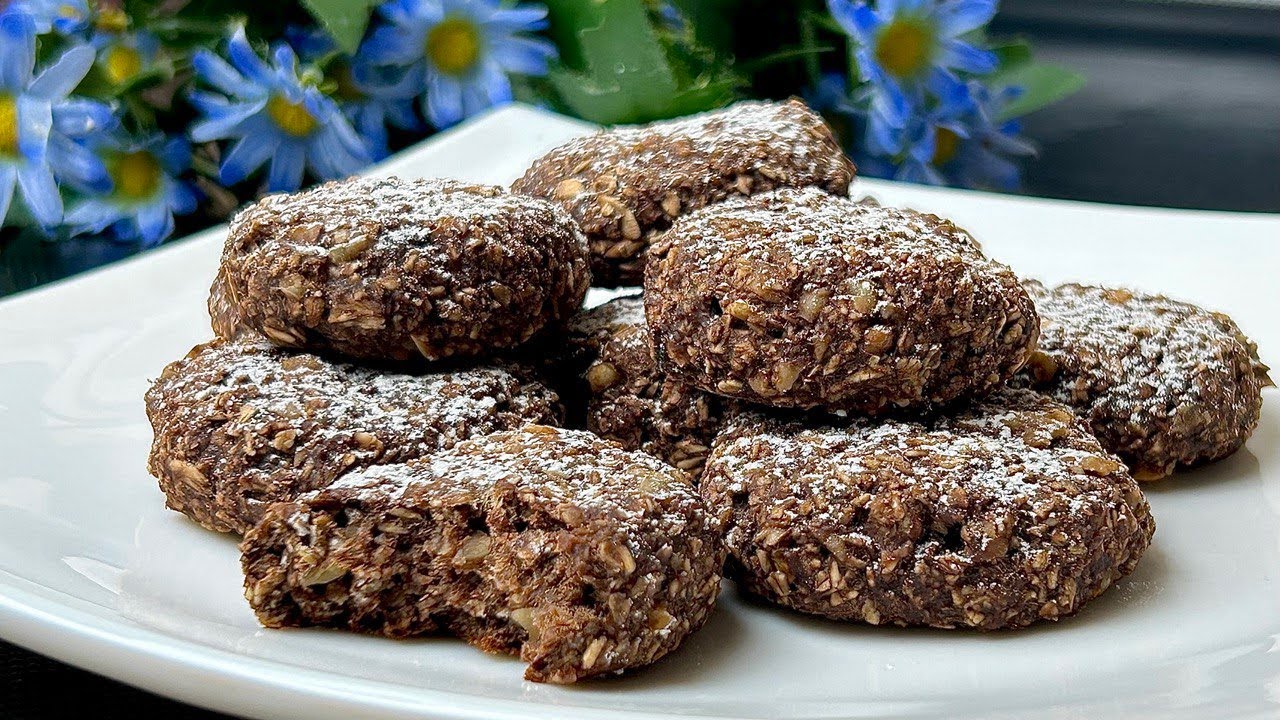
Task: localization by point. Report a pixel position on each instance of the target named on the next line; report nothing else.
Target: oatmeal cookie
(239, 425)
(1006, 513)
(391, 269)
(556, 545)
(1162, 383)
(624, 184)
(798, 298)
(631, 401)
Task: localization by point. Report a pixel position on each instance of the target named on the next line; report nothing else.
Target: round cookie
(1163, 384)
(798, 298)
(391, 269)
(624, 184)
(239, 425)
(1006, 513)
(581, 557)
(634, 403)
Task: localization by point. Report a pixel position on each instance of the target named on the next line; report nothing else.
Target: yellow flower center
(904, 47)
(113, 20)
(8, 126)
(945, 144)
(136, 175)
(121, 63)
(67, 11)
(453, 46)
(293, 118)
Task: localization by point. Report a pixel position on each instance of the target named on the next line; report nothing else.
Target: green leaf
(1011, 56)
(345, 20)
(615, 68)
(1041, 85)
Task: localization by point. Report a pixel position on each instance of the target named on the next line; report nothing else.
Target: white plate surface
(94, 570)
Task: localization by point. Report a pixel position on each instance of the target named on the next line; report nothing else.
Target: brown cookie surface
(1163, 384)
(581, 557)
(624, 184)
(798, 298)
(241, 424)
(633, 402)
(391, 269)
(1007, 513)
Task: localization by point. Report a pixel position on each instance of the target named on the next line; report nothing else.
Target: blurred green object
(619, 66)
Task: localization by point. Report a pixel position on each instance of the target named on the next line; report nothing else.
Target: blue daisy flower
(463, 50)
(903, 46)
(65, 17)
(77, 124)
(274, 115)
(371, 97)
(145, 191)
(124, 56)
(28, 106)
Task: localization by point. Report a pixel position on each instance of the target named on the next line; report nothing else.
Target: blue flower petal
(35, 120)
(226, 122)
(64, 74)
(247, 155)
(246, 60)
(77, 166)
(287, 166)
(175, 155)
(40, 193)
(527, 18)
(8, 178)
(524, 56)
(215, 71)
(182, 198)
(963, 56)
(444, 101)
(393, 45)
(17, 49)
(155, 223)
(91, 216)
(960, 16)
(78, 117)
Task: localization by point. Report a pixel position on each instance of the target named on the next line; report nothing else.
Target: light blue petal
(216, 72)
(155, 223)
(960, 55)
(402, 115)
(77, 166)
(960, 16)
(889, 8)
(247, 61)
(92, 216)
(78, 117)
(8, 177)
(59, 79)
(331, 159)
(524, 56)
(856, 18)
(393, 45)
(246, 156)
(17, 50)
(287, 166)
(444, 101)
(175, 155)
(35, 119)
(525, 18)
(919, 173)
(227, 122)
(40, 193)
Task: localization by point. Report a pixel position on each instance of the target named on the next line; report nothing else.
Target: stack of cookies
(848, 409)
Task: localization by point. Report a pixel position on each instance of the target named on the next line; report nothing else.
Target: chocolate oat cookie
(1004, 514)
(624, 184)
(581, 557)
(798, 298)
(631, 401)
(239, 425)
(1162, 383)
(392, 269)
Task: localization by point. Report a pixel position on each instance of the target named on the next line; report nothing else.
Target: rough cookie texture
(637, 405)
(1161, 383)
(392, 269)
(555, 544)
(798, 298)
(239, 425)
(1006, 513)
(624, 184)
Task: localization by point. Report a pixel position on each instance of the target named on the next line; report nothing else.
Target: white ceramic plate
(94, 571)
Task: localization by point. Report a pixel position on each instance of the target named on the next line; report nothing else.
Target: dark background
(1181, 109)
